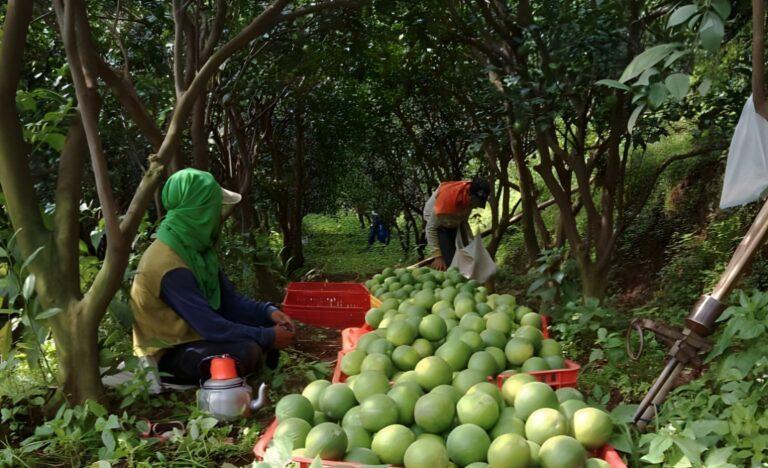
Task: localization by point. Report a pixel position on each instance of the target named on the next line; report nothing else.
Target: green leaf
(674, 56)
(657, 94)
(31, 258)
(108, 439)
(624, 413)
(633, 118)
(691, 449)
(613, 84)
(712, 32)
(55, 140)
(681, 15)
(112, 422)
(719, 457)
(646, 60)
(3, 253)
(704, 87)
(678, 85)
(722, 7)
(46, 314)
(29, 287)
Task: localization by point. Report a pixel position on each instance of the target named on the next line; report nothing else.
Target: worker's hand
(283, 336)
(281, 318)
(439, 263)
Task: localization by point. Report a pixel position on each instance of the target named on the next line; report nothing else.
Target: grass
(336, 248)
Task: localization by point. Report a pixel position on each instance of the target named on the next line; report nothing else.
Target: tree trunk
(77, 353)
(594, 282)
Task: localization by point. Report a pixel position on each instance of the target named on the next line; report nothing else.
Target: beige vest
(155, 325)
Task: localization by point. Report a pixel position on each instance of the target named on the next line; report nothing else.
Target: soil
(322, 344)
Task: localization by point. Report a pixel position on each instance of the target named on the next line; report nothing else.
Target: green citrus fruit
(295, 430)
(391, 442)
(378, 411)
(466, 379)
(434, 412)
(478, 408)
(568, 393)
(327, 441)
(498, 321)
(550, 347)
(513, 384)
(597, 463)
(533, 396)
(592, 427)
(531, 318)
(369, 383)
(373, 317)
(423, 347)
(467, 444)
(362, 455)
(569, 408)
(449, 391)
(493, 338)
(534, 364)
(508, 426)
(400, 333)
(378, 362)
(426, 453)
(484, 362)
(433, 328)
(405, 357)
(533, 335)
(555, 362)
(405, 398)
(295, 406)
(352, 418)
(357, 437)
(351, 362)
(336, 400)
(433, 371)
(456, 353)
(561, 452)
(509, 451)
(518, 350)
(545, 423)
(314, 390)
(472, 321)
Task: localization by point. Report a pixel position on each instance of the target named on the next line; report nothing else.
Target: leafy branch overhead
(665, 72)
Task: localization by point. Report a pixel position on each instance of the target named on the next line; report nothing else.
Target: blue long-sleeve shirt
(238, 318)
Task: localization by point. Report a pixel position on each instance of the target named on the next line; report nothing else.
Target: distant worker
(447, 214)
(379, 230)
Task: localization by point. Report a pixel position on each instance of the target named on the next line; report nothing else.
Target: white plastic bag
(473, 260)
(746, 172)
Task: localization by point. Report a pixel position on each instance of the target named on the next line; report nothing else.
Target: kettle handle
(207, 361)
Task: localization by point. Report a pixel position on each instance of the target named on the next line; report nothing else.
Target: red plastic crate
(607, 453)
(558, 378)
(332, 305)
(350, 336)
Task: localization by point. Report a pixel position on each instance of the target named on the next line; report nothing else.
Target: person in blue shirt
(185, 308)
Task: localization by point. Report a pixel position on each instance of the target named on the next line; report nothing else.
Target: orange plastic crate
(607, 453)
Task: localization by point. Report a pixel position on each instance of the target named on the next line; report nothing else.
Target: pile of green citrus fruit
(427, 313)
(418, 390)
(423, 423)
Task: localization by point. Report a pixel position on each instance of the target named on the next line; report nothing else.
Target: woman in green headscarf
(185, 309)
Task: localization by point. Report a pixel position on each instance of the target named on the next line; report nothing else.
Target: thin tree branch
(68, 192)
(89, 111)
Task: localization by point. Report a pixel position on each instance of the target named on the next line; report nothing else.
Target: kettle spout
(261, 398)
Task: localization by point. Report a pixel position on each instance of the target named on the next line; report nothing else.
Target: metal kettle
(226, 396)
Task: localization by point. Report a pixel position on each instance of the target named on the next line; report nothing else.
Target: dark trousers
(189, 363)
(446, 239)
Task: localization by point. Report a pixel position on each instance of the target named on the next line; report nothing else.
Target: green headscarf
(192, 199)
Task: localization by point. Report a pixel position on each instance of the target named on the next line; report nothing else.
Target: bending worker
(185, 309)
(447, 214)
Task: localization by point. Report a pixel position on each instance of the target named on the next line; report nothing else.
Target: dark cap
(480, 188)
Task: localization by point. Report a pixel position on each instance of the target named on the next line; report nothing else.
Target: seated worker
(447, 214)
(185, 309)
